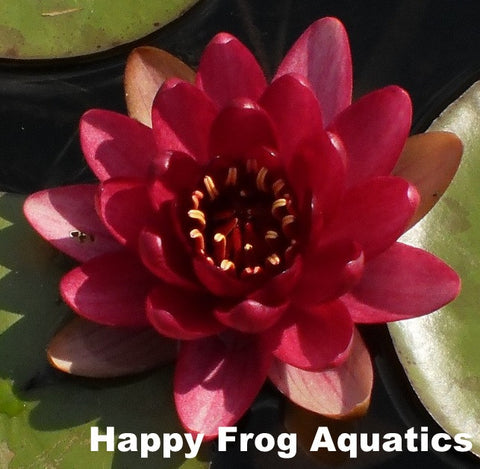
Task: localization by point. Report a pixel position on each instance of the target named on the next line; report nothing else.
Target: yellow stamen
(198, 216)
(231, 179)
(262, 174)
(274, 259)
(277, 207)
(198, 239)
(271, 235)
(227, 265)
(288, 225)
(211, 188)
(277, 187)
(220, 246)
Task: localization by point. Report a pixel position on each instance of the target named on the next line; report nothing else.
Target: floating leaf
(67, 28)
(440, 352)
(46, 416)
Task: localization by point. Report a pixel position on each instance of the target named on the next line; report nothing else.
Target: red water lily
(254, 223)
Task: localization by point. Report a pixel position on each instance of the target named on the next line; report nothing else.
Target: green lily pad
(46, 416)
(440, 352)
(68, 28)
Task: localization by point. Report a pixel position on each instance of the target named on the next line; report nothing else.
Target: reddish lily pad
(45, 416)
(440, 352)
(68, 28)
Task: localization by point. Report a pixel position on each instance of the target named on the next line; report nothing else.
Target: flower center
(243, 219)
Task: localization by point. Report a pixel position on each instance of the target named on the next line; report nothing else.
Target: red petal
(374, 214)
(336, 392)
(241, 127)
(110, 290)
(180, 314)
(315, 338)
(329, 272)
(219, 282)
(115, 145)
(125, 208)
(228, 70)
(66, 218)
(165, 257)
(177, 172)
(317, 175)
(295, 111)
(277, 290)
(250, 316)
(322, 55)
(401, 283)
(181, 118)
(217, 379)
(84, 348)
(373, 131)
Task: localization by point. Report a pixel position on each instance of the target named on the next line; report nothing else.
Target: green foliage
(440, 352)
(66, 28)
(45, 416)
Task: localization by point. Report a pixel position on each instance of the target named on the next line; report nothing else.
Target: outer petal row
(322, 55)
(217, 379)
(313, 338)
(374, 130)
(336, 392)
(110, 290)
(401, 283)
(66, 217)
(228, 70)
(115, 145)
(374, 214)
(295, 111)
(181, 118)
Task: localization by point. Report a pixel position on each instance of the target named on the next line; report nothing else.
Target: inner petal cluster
(242, 217)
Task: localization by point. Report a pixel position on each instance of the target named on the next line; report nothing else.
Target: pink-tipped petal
(125, 209)
(146, 70)
(374, 130)
(181, 117)
(250, 316)
(374, 214)
(322, 55)
(217, 379)
(337, 392)
(401, 283)
(316, 338)
(110, 290)
(181, 314)
(295, 111)
(329, 272)
(241, 127)
(228, 70)
(66, 218)
(115, 145)
(84, 348)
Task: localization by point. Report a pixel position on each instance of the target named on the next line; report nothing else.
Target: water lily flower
(251, 223)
